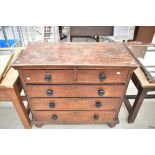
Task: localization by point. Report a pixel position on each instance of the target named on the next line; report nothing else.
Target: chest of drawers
(75, 83)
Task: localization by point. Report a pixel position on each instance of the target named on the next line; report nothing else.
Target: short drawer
(74, 103)
(74, 117)
(75, 90)
(102, 76)
(48, 76)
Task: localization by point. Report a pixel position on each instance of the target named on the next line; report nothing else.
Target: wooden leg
(19, 84)
(137, 104)
(39, 125)
(112, 125)
(20, 108)
(127, 104)
(28, 109)
(71, 39)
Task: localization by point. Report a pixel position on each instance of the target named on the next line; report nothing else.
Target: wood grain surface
(57, 76)
(74, 90)
(74, 117)
(74, 103)
(72, 77)
(111, 76)
(75, 54)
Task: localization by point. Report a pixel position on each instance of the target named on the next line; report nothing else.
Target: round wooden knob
(101, 92)
(48, 77)
(98, 104)
(51, 105)
(96, 116)
(102, 76)
(49, 92)
(54, 117)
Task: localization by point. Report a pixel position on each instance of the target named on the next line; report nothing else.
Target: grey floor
(145, 119)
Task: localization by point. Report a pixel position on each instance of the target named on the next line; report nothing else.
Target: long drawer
(102, 76)
(48, 76)
(75, 90)
(74, 103)
(74, 117)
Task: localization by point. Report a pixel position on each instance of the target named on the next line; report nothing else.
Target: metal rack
(22, 35)
(7, 36)
(37, 34)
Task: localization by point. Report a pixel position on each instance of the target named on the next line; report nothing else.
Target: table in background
(10, 88)
(90, 31)
(143, 78)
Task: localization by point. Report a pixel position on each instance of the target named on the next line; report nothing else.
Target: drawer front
(102, 76)
(74, 103)
(48, 76)
(75, 90)
(73, 117)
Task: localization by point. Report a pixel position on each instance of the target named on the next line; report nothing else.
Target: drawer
(102, 76)
(75, 90)
(48, 76)
(73, 117)
(74, 103)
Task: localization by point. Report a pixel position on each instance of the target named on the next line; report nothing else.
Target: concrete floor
(145, 119)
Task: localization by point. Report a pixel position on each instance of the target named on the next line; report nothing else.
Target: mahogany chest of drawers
(75, 83)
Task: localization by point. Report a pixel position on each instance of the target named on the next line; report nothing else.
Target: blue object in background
(3, 44)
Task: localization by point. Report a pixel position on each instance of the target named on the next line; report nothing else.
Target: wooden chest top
(75, 54)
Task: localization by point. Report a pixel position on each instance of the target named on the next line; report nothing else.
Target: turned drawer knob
(98, 104)
(51, 105)
(49, 92)
(54, 117)
(96, 116)
(101, 92)
(48, 77)
(102, 76)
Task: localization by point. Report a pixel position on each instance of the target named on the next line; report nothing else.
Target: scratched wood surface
(75, 54)
(74, 117)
